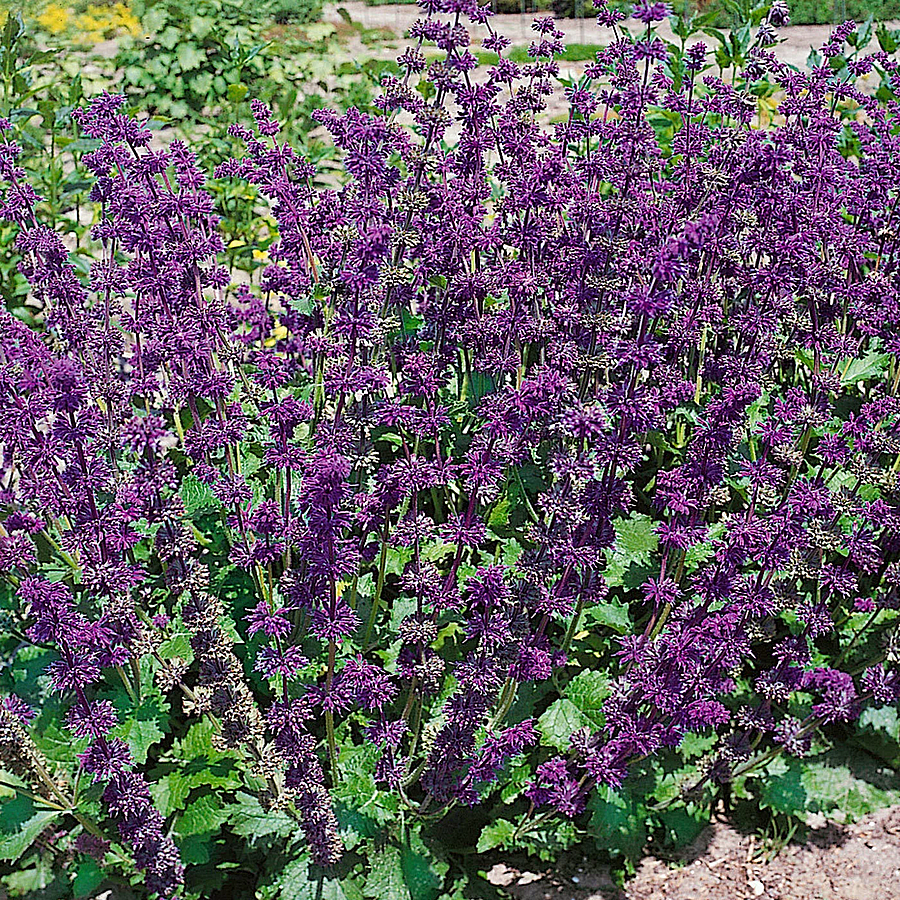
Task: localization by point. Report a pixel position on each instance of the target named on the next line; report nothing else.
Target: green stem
(379, 587)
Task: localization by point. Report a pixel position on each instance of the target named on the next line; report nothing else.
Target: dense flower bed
(543, 479)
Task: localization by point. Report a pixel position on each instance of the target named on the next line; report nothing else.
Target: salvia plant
(543, 452)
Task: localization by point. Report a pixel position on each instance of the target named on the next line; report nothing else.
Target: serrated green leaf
(141, 727)
(878, 730)
(496, 834)
(298, 882)
(198, 742)
(248, 819)
(612, 614)
(424, 875)
(873, 365)
(559, 721)
(851, 781)
(21, 836)
(197, 496)
(88, 877)
(179, 645)
(189, 56)
(385, 880)
(588, 690)
(694, 744)
(170, 37)
(683, 824)
(499, 516)
(636, 534)
(781, 787)
(618, 821)
(549, 840)
(203, 816)
(636, 541)
(885, 719)
(201, 26)
(512, 550)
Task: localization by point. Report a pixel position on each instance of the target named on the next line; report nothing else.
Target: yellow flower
(99, 22)
(54, 19)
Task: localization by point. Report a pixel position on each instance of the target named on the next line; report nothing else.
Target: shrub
(547, 472)
(195, 57)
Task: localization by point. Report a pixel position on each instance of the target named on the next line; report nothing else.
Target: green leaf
(196, 743)
(850, 781)
(613, 615)
(512, 550)
(201, 26)
(499, 516)
(297, 882)
(204, 816)
(871, 366)
(140, 727)
(236, 92)
(636, 541)
(424, 875)
(88, 877)
(693, 744)
(189, 57)
(559, 721)
(587, 690)
(635, 535)
(170, 37)
(385, 880)
(197, 496)
(496, 834)
(618, 821)
(683, 824)
(782, 788)
(170, 792)
(13, 845)
(878, 730)
(248, 819)
(881, 718)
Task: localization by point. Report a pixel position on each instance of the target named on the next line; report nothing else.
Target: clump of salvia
(506, 328)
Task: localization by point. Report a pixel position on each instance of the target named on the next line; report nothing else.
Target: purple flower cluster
(458, 373)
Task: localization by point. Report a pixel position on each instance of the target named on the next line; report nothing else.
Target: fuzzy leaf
(782, 789)
(141, 728)
(559, 721)
(618, 821)
(203, 816)
(248, 819)
(850, 781)
(496, 834)
(197, 496)
(636, 541)
(20, 835)
(588, 690)
(385, 880)
(613, 615)
(870, 366)
(424, 875)
(88, 878)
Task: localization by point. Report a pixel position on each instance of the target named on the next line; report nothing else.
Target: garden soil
(852, 862)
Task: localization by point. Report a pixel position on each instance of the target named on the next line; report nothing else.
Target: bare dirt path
(853, 862)
(797, 40)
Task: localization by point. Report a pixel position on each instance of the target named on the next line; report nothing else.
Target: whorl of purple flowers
(564, 298)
